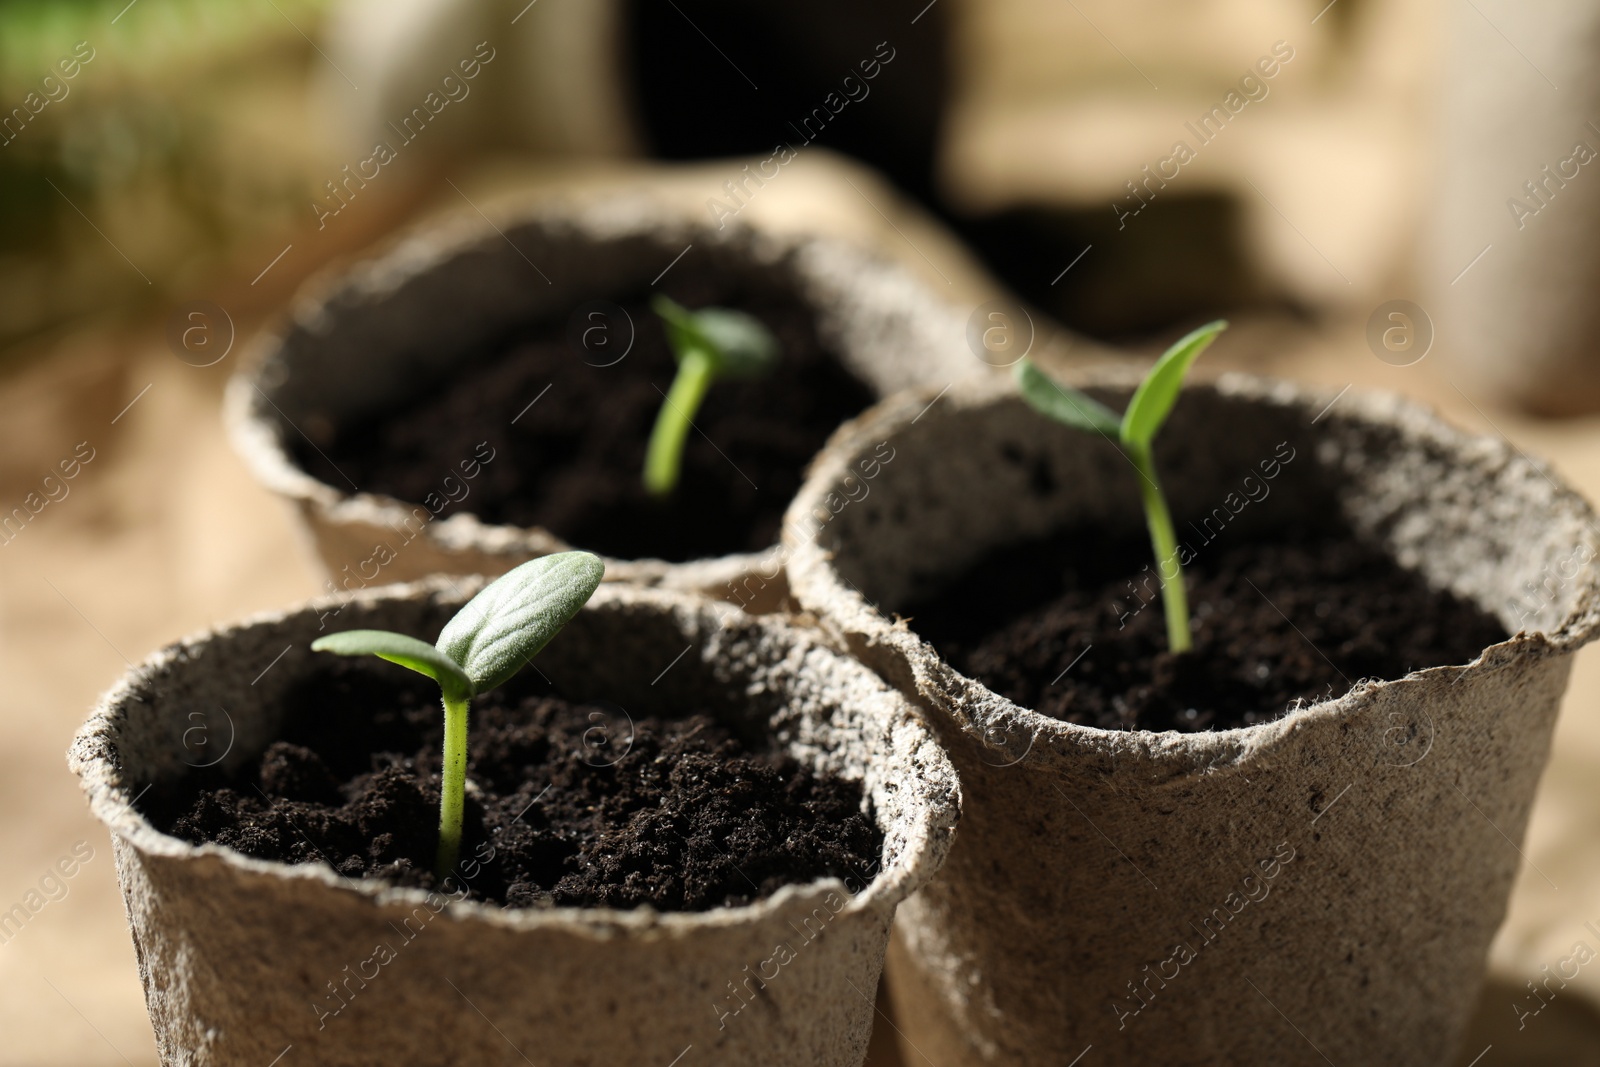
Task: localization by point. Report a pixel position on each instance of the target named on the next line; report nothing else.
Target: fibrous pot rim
(985, 715)
(256, 426)
(94, 756)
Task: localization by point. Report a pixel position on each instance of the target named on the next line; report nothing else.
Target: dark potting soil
(573, 807)
(572, 461)
(1057, 626)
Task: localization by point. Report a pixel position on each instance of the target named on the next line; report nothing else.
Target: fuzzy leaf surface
(516, 615)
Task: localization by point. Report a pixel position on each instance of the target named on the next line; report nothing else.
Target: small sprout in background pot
(490, 639)
(1136, 430)
(710, 343)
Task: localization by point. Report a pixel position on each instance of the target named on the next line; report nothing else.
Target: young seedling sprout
(710, 343)
(1135, 431)
(489, 640)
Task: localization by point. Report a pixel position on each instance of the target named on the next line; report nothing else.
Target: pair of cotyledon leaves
(495, 634)
(737, 344)
(1151, 404)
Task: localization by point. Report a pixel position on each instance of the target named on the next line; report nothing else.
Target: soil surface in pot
(572, 461)
(574, 804)
(1072, 626)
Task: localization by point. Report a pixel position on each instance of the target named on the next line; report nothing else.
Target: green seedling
(710, 343)
(1135, 431)
(489, 640)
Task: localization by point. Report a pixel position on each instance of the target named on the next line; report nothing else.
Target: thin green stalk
(662, 461)
(482, 646)
(452, 785)
(1165, 542)
(1135, 429)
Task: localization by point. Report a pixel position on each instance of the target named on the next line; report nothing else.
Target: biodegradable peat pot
(235, 953)
(1087, 856)
(364, 340)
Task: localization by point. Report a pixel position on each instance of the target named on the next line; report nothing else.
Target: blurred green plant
(182, 138)
(710, 343)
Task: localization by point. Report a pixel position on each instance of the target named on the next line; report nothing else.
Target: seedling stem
(709, 344)
(1135, 432)
(452, 784)
(665, 457)
(1174, 600)
(487, 642)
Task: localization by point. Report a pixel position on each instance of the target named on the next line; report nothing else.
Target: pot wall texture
(1323, 885)
(243, 959)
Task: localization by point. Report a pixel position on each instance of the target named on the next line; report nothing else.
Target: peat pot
(372, 337)
(236, 954)
(1323, 884)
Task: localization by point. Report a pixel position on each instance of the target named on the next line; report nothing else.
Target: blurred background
(1389, 195)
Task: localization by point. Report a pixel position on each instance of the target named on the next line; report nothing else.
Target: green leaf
(674, 314)
(745, 346)
(1064, 403)
(1152, 401)
(516, 615)
(406, 651)
(739, 345)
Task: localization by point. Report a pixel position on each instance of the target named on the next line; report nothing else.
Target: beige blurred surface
(1316, 109)
(162, 534)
